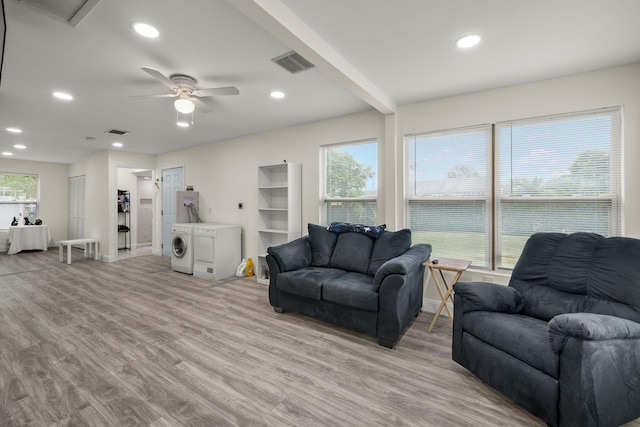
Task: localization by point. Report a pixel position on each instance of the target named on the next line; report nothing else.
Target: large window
(18, 198)
(350, 184)
(449, 192)
(558, 173)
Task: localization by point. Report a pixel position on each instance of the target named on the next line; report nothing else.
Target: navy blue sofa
(369, 283)
(563, 339)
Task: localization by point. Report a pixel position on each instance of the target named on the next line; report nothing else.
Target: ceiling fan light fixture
(184, 105)
(182, 124)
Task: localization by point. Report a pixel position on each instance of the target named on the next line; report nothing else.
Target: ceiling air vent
(293, 62)
(69, 11)
(118, 132)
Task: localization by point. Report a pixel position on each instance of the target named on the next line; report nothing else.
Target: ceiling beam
(282, 23)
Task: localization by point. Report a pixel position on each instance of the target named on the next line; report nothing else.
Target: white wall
(54, 194)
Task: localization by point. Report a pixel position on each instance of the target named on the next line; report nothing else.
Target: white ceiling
(369, 54)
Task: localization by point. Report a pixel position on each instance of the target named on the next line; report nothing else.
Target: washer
(217, 251)
(182, 247)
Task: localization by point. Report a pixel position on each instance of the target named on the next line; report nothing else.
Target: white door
(75, 227)
(171, 182)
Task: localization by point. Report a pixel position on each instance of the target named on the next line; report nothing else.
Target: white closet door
(76, 207)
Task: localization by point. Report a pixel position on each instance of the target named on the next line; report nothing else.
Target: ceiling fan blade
(217, 91)
(159, 95)
(159, 77)
(205, 103)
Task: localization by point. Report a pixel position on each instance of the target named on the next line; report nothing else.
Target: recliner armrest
(292, 255)
(483, 296)
(412, 259)
(590, 326)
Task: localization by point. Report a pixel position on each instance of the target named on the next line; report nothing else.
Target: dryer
(217, 251)
(182, 247)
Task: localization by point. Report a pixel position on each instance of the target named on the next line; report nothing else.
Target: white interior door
(75, 226)
(171, 182)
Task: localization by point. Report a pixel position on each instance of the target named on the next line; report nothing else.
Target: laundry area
(205, 250)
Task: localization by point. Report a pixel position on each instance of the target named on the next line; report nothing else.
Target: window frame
(22, 203)
(614, 195)
(612, 200)
(325, 199)
(438, 199)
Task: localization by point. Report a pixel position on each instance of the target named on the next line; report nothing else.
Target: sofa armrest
(400, 292)
(483, 296)
(599, 360)
(292, 255)
(409, 261)
(590, 326)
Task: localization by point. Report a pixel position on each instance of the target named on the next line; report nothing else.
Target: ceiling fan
(184, 88)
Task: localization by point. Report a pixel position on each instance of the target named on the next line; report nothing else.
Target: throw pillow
(389, 245)
(322, 244)
(352, 252)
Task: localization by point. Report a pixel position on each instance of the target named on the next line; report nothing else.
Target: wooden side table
(445, 264)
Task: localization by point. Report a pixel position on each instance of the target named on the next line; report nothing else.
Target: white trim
(431, 305)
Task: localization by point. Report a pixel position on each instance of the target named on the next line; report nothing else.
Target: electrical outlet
(488, 279)
(240, 205)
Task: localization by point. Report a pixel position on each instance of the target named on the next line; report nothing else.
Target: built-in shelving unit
(279, 210)
(124, 219)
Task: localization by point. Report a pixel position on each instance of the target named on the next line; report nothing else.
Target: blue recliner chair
(563, 339)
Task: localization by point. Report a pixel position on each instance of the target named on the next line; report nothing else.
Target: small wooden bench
(87, 248)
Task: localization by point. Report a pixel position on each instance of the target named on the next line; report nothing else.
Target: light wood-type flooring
(133, 343)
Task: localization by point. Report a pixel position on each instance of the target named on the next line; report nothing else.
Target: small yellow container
(249, 267)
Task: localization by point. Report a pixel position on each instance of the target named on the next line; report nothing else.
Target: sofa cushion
(352, 252)
(389, 244)
(306, 282)
(525, 338)
(353, 290)
(322, 244)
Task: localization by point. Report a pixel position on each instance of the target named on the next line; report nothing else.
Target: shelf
(124, 219)
(272, 187)
(274, 231)
(279, 210)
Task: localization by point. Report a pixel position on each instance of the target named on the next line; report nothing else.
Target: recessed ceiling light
(63, 95)
(468, 41)
(118, 144)
(276, 94)
(183, 124)
(7, 153)
(14, 130)
(19, 146)
(145, 30)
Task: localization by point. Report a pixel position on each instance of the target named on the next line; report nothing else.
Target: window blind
(557, 174)
(449, 192)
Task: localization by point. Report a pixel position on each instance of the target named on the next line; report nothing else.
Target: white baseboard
(431, 305)
(109, 258)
